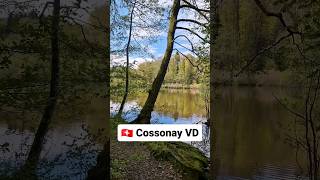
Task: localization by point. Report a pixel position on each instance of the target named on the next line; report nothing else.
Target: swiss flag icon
(127, 132)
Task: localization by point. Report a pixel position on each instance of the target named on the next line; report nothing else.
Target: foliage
(180, 71)
(25, 47)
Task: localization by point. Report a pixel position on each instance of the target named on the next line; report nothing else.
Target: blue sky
(157, 48)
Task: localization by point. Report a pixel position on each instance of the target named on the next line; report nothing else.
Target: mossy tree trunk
(145, 114)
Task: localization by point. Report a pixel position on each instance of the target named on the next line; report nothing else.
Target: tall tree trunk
(214, 19)
(127, 66)
(36, 148)
(101, 171)
(145, 114)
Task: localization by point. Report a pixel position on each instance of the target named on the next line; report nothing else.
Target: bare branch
(77, 20)
(277, 15)
(191, 50)
(190, 42)
(200, 11)
(192, 21)
(289, 30)
(182, 35)
(43, 10)
(190, 61)
(185, 47)
(85, 38)
(194, 7)
(261, 52)
(191, 31)
(287, 108)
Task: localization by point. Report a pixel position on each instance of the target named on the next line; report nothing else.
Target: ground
(135, 161)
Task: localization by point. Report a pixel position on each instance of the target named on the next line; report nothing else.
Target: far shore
(199, 86)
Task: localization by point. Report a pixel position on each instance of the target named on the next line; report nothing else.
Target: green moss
(137, 157)
(117, 168)
(180, 153)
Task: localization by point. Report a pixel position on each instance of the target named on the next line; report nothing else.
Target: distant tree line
(180, 71)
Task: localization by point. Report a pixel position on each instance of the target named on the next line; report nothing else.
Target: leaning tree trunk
(127, 67)
(34, 154)
(145, 114)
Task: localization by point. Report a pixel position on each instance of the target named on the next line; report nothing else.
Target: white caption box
(160, 132)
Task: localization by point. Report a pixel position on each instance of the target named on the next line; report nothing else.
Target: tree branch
(192, 21)
(183, 28)
(200, 11)
(287, 108)
(288, 29)
(194, 7)
(190, 42)
(261, 52)
(77, 20)
(43, 10)
(277, 15)
(190, 61)
(191, 50)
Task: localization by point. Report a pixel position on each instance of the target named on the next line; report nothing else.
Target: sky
(156, 48)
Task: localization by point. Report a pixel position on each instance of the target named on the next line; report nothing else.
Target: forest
(245, 70)
(53, 74)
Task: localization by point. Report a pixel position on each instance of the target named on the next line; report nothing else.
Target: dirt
(133, 160)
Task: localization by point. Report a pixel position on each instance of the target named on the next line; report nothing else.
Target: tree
(34, 154)
(188, 73)
(302, 32)
(181, 72)
(127, 64)
(138, 14)
(60, 38)
(145, 114)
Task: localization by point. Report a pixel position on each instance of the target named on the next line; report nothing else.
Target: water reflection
(172, 107)
(251, 127)
(75, 136)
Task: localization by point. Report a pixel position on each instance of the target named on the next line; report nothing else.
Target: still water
(251, 139)
(76, 134)
(252, 128)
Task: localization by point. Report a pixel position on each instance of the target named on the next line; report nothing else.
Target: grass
(116, 168)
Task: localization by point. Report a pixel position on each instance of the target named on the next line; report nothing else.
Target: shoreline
(199, 86)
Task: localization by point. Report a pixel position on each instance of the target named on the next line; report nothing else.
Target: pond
(252, 131)
(251, 128)
(76, 133)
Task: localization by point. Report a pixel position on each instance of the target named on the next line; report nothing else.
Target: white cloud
(134, 61)
(166, 3)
